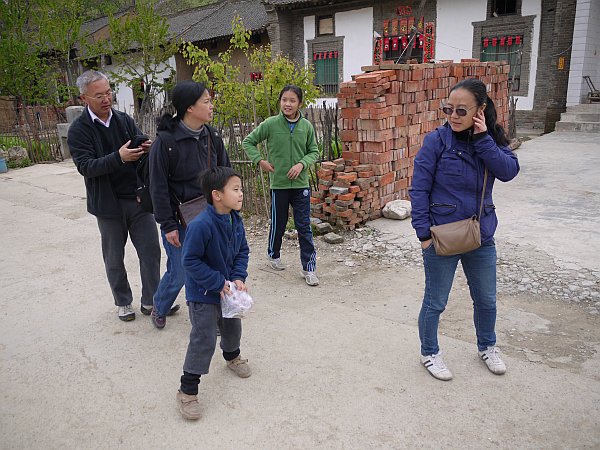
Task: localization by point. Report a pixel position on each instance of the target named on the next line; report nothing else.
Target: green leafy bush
(19, 164)
(237, 99)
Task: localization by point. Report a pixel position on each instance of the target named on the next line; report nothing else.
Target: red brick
(351, 156)
(321, 173)
(411, 86)
(368, 78)
(346, 197)
(365, 124)
(350, 113)
(349, 135)
(347, 177)
(346, 213)
(386, 179)
(416, 74)
(367, 174)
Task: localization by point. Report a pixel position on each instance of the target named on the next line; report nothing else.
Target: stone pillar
(73, 112)
(385, 114)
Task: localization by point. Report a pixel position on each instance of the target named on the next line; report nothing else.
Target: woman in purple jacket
(446, 187)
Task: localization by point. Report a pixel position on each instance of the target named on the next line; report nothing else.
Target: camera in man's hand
(138, 140)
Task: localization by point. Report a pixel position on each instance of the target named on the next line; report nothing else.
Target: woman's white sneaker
(436, 366)
(491, 357)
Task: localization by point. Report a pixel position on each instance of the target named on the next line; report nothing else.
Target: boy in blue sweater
(215, 252)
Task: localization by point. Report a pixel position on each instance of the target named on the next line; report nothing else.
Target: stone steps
(580, 118)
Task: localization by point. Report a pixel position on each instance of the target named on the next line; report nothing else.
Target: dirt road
(334, 366)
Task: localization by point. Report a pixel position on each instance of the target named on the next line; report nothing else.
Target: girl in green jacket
(291, 149)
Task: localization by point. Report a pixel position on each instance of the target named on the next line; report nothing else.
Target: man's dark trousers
(141, 227)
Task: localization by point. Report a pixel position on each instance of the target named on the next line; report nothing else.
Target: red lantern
(486, 42)
(315, 56)
(335, 54)
(386, 45)
(510, 39)
(502, 39)
(395, 43)
(404, 40)
(518, 40)
(494, 42)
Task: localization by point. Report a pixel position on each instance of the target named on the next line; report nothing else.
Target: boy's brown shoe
(240, 367)
(188, 406)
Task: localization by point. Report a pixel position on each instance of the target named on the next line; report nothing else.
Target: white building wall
(454, 35)
(453, 30)
(309, 33)
(124, 94)
(357, 28)
(531, 8)
(585, 53)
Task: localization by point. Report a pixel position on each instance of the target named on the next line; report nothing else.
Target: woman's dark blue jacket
(448, 179)
(214, 250)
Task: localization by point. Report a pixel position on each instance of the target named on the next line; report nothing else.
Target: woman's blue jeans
(174, 278)
(479, 267)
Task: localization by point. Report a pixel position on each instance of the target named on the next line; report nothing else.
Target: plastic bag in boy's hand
(236, 304)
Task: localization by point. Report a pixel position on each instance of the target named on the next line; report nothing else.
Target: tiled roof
(92, 26)
(288, 2)
(292, 4)
(285, 2)
(214, 21)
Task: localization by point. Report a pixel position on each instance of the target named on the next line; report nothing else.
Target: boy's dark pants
(205, 317)
(299, 199)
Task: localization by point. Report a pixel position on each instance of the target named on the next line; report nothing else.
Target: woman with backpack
(185, 146)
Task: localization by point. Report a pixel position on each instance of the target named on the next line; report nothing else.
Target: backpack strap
(170, 146)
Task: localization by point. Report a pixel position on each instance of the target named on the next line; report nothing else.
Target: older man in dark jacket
(99, 142)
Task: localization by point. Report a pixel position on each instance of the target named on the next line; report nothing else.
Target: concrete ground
(335, 366)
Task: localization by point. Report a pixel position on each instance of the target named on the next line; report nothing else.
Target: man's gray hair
(88, 77)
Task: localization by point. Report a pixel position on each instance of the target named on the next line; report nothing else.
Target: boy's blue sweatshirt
(214, 250)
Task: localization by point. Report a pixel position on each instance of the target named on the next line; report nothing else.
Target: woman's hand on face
(426, 244)
(479, 125)
(295, 171)
(266, 166)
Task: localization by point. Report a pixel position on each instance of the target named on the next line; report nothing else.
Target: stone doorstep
(588, 127)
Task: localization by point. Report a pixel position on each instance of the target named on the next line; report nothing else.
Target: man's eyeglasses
(462, 112)
(101, 97)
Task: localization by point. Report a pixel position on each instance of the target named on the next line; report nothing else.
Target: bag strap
(169, 145)
(208, 144)
(485, 176)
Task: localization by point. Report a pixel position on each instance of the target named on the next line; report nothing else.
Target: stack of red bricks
(385, 114)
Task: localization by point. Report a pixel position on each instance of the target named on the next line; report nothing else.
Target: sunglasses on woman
(461, 112)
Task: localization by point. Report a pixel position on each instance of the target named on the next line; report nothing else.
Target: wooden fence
(31, 127)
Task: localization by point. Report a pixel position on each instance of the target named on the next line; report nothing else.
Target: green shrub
(19, 164)
(7, 142)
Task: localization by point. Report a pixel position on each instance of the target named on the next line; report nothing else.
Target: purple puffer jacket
(448, 179)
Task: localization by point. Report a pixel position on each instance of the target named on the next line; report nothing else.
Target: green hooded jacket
(285, 149)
